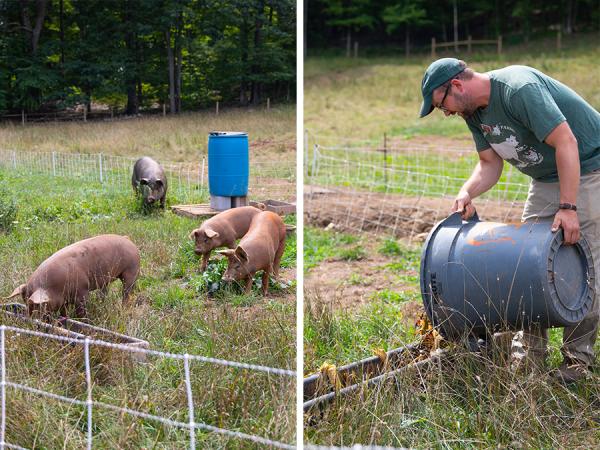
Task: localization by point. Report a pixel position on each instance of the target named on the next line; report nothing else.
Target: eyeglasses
(441, 105)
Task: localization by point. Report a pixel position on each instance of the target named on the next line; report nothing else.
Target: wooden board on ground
(276, 206)
(194, 211)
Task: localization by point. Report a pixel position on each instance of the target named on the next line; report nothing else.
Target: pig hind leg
(128, 279)
(277, 258)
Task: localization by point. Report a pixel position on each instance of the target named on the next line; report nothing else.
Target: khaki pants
(578, 340)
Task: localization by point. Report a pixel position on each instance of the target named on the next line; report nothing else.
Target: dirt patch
(393, 214)
(349, 285)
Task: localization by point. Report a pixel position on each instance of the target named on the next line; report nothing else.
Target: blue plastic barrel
(228, 163)
(481, 277)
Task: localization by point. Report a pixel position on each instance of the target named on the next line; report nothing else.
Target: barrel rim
(226, 134)
(585, 253)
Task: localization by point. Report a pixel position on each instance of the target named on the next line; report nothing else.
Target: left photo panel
(147, 224)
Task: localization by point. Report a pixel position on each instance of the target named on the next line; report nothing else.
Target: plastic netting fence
(189, 181)
(398, 188)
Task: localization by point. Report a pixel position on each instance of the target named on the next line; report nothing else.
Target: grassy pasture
(474, 401)
(364, 98)
(174, 307)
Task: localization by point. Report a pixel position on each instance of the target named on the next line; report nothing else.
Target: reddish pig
(260, 249)
(70, 274)
(149, 179)
(222, 230)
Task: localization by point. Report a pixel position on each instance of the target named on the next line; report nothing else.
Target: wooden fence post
(23, 118)
(499, 44)
(84, 113)
(268, 103)
(469, 39)
(217, 108)
(433, 47)
(164, 109)
(559, 40)
(356, 49)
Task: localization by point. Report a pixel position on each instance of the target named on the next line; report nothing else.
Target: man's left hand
(567, 220)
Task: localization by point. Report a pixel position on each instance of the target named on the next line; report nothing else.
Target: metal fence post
(314, 161)
(385, 159)
(14, 155)
(54, 164)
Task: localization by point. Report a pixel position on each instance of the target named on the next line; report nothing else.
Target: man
(548, 132)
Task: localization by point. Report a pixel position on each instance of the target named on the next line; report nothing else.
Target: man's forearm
(483, 178)
(567, 164)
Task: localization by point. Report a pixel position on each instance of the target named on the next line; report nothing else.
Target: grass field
(473, 401)
(174, 307)
(366, 97)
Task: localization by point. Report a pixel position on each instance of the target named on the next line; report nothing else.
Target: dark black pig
(149, 180)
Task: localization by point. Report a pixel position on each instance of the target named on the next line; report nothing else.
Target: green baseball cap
(437, 74)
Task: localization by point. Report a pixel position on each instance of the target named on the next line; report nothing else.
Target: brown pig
(222, 230)
(260, 249)
(70, 274)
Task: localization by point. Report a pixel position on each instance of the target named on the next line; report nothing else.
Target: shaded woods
(412, 24)
(136, 54)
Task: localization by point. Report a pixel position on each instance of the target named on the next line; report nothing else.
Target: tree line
(134, 54)
(411, 23)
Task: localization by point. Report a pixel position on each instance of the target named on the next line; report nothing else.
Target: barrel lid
(228, 133)
(575, 285)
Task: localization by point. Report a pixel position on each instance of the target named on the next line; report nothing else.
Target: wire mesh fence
(86, 399)
(188, 181)
(397, 188)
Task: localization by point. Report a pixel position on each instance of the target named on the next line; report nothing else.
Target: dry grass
(183, 138)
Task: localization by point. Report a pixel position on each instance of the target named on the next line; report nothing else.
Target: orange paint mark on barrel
(475, 243)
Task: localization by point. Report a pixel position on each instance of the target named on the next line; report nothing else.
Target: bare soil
(391, 214)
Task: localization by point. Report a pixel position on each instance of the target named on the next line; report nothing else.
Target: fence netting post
(188, 386)
(3, 387)
(88, 379)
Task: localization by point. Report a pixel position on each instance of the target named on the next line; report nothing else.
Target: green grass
(324, 244)
(172, 307)
(341, 337)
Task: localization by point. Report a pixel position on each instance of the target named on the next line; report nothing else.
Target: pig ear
(241, 254)
(18, 291)
(227, 252)
(159, 182)
(144, 181)
(211, 233)
(40, 296)
(193, 234)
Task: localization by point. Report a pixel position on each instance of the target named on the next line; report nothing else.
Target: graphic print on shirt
(504, 141)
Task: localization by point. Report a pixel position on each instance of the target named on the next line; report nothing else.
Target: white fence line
(89, 403)
(400, 189)
(189, 180)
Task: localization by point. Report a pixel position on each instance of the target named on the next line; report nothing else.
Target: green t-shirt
(524, 107)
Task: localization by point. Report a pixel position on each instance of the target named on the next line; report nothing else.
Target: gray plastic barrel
(480, 277)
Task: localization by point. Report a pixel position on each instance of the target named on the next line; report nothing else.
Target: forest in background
(411, 24)
(132, 55)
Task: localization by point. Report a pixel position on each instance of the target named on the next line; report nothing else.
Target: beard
(467, 105)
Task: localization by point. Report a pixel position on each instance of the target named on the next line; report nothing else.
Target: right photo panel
(451, 224)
